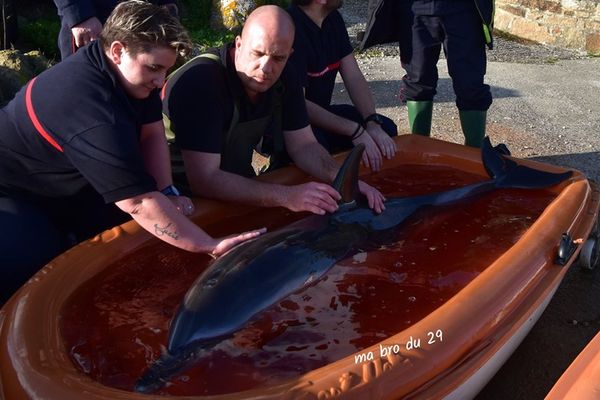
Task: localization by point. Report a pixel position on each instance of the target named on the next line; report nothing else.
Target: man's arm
(80, 16)
(361, 97)
(309, 155)
(313, 159)
(156, 214)
(86, 31)
(208, 180)
(74, 12)
(335, 124)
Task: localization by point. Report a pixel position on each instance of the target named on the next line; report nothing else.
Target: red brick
(592, 43)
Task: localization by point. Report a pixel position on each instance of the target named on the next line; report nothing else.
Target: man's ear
(238, 42)
(116, 51)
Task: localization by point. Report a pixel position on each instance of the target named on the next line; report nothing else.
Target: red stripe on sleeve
(34, 119)
(330, 67)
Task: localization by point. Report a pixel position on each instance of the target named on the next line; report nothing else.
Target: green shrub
(41, 34)
(195, 16)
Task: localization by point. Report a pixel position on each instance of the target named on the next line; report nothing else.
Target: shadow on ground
(584, 162)
(570, 321)
(387, 91)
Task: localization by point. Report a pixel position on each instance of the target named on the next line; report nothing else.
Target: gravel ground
(546, 108)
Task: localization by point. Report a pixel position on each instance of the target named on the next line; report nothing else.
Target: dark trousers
(35, 233)
(66, 43)
(460, 34)
(335, 143)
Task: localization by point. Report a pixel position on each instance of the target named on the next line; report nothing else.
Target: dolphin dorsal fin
(346, 180)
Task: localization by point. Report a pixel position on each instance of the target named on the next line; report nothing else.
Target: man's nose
(267, 65)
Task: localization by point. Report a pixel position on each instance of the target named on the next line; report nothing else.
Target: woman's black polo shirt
(81, 105)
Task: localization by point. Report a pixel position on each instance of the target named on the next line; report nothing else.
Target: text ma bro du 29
(411, 343)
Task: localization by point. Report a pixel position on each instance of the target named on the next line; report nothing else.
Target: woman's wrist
(358, 132)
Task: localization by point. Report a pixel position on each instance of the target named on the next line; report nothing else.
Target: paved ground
(546, 107)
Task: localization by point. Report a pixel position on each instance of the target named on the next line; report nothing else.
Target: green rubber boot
(419, 116)
(473, 126)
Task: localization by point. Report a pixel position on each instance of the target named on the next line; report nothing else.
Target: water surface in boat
(115, 325)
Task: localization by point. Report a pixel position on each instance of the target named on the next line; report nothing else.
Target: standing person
(321, 49)
(237, 105)
(81, 21)
(423, 27)
(82, 148)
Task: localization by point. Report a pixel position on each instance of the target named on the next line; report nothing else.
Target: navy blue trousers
(461, 36)
(335, 143)
(35, 233)
(66, 43)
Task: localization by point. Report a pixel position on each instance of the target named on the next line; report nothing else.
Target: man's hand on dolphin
(374, 197)
(318, 198)
(371, 157)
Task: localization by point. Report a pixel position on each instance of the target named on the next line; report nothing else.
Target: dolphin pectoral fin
(346, 180)
(508, 174)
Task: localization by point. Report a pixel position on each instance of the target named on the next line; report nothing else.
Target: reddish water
(115, 326)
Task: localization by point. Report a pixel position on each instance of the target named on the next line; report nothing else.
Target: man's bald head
(263, 48)
(272, 19)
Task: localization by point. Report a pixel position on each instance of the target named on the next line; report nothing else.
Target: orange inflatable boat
(433, 315)
(581, 381)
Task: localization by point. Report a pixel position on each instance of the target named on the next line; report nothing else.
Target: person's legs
(29, 241)
(466, 57)
(86, 214)
(419, 54)
(65, 42)
(420, 46)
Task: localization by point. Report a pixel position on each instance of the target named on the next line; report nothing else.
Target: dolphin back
(508, 174)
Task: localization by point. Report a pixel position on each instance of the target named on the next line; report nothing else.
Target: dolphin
(259, 273)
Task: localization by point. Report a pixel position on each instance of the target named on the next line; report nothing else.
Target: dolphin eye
(211, 283)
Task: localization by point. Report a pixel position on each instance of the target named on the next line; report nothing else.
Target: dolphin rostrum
(259, 273)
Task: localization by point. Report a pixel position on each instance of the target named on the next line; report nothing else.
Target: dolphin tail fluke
(346, 180)
(507, 173)
(166, 367)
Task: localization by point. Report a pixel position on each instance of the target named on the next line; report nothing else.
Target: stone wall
(564, 23)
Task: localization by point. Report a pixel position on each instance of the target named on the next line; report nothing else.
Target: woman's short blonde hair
(142, 26)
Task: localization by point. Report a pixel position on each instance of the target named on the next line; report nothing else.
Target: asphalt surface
(546, 107)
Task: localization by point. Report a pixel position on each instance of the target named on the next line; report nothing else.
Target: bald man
(237, 112)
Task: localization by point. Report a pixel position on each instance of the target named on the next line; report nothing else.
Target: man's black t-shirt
(80, 103)
(199, 102)
(318, 52)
